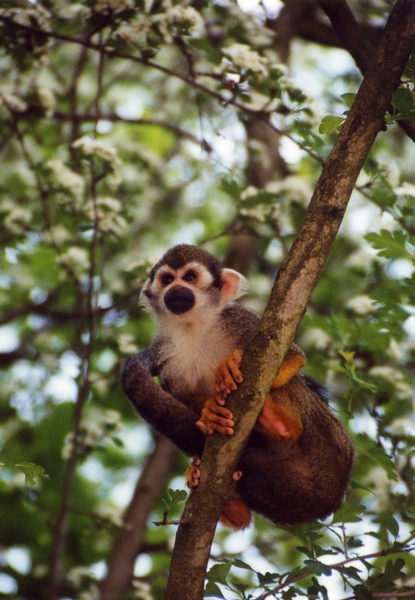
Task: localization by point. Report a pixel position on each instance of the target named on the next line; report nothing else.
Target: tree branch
(356, 41)
(289, 297)
(130, 542)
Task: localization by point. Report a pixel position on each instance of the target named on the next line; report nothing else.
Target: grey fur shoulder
(240, 323)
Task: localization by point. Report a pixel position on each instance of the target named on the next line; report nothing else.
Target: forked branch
(289, 297)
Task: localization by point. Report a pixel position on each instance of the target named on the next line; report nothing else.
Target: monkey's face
(180, 291)
(189, 285)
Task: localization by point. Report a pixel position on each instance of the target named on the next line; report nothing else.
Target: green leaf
(31, 471)
(362, 593)
(349, 513)
(403, 100)
(388, 521)
(242, 565)
(267, 578)
(330, 124)
(375, 454)
(211, 589)
(390, 244)
(219, 572)
(348, 98)
(174, 497)
(317, 567)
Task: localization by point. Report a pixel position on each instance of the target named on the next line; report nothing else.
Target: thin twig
(305, 573)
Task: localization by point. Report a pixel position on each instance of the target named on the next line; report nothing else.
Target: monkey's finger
(216, 422)
(234, 362)
(224, 430)
(217, 415)
(212, 407)
(204, 427)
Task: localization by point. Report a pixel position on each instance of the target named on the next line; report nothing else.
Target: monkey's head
(189, 283)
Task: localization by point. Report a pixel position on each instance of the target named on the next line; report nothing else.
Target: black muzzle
(179, 299)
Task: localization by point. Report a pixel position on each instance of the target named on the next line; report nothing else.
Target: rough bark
(128, 544)
(290, 294)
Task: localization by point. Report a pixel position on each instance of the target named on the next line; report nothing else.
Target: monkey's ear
(233, 285)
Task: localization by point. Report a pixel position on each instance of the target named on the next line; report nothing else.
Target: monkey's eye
(190, 276)
(166, 278)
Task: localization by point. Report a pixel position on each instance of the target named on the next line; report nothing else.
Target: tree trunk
(291, 292)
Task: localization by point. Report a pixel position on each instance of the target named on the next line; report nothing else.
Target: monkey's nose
(179, 299)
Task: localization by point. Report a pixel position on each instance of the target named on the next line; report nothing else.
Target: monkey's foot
(277, 422)
(236, 514)
(228, 375)
(193, 473)
(290, 367)
(215, 417)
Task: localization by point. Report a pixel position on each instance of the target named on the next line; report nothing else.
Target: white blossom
(58, 234)
(90, 146)
(142, 590)
(107, 213)
(17, 218)
(380, 484)
(180, 14)
(361, 305)
(71, 11)
(259, 212)
(78, 574)
(11, 100)
(384, 371)
(67, 447)
(395, 350)
(76, 259)
(126, 344)
(92, 593)
(294, 188)
(362, 258)
(317, 338)
(113, 418)
(250, 192)
(402, 426)
(406, 189)
(110, 513)
(105, 5)
(67, 178)
(47, 99)
(243, 57)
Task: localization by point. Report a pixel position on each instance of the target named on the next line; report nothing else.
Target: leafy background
(129, 126)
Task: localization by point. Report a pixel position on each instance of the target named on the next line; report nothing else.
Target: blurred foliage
(122, 133)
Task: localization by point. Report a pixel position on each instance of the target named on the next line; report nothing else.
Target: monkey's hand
(215, 417)
(228, 375)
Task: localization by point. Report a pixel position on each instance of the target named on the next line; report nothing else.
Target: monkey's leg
(235, 513)
(280, 420)
(292, 363)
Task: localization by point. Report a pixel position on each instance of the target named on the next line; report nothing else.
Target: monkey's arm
(160, 409)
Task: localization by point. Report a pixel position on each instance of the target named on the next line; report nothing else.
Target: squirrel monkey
(298, 459)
